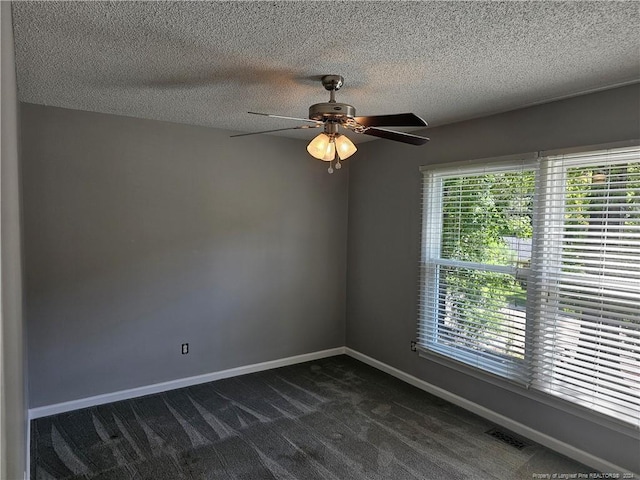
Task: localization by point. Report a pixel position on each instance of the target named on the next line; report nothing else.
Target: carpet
(330, 419)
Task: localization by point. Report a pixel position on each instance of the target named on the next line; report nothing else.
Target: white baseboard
(574, 453)
(54, 409)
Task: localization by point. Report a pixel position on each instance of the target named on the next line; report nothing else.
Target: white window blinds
(475, 269)
(531, 271)
(586, 336)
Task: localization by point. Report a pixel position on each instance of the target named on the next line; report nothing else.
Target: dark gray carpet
(335, 418)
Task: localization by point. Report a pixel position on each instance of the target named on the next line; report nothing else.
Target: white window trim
(430, 260)
(507, 161)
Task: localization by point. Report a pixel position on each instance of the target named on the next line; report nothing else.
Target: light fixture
(329, 146)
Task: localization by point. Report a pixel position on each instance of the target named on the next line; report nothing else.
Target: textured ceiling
(208, 63)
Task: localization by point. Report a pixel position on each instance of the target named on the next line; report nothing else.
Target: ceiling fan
(332, 146)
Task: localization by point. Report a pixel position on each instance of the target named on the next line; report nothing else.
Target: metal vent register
(508, 438)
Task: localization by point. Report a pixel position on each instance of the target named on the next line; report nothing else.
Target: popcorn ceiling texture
(208, 63)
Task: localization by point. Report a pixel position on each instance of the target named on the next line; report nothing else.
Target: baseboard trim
(570, 451)
(54, 409)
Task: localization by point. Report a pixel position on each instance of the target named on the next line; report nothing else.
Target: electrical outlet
(185, 348)
(413, 346)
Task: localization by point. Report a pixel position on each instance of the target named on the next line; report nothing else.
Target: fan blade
(301, 127)
(396, 136)
(396, 120)
(286, 118)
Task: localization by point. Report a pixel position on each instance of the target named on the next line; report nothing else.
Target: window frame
(428, 221)
(432, 216)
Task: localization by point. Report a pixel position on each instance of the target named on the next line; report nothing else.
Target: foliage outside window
(531, 271)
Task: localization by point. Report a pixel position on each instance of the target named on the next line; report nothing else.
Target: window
(530, 271)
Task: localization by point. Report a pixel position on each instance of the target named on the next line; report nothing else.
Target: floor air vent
(508, 438)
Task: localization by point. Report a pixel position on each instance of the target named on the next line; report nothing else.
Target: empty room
(343, 240)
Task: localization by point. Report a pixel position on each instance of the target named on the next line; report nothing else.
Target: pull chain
(335, 156)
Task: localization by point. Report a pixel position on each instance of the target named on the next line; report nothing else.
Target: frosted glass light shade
(331, 152)
(322, 147)
(344, 146)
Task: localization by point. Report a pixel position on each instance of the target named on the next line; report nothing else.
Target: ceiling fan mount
(332, 82)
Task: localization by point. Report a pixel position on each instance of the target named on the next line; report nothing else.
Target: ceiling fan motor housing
(331, 111)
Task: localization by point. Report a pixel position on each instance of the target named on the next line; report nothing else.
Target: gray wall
(383, 246)
(142, 235)
(13, 411)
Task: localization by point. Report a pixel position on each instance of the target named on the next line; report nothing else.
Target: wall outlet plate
(185, 348)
